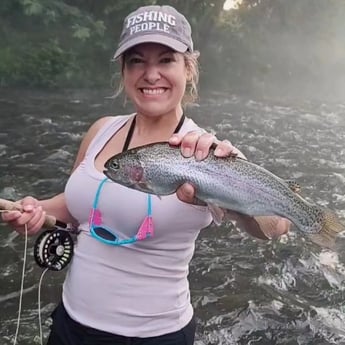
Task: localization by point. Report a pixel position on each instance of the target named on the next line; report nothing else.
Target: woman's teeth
(153, 91)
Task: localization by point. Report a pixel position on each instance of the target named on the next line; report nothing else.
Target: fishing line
(22, 281)
(22, 289)
(21, 284)
(53, 250)
(20, 304)
(39, 304)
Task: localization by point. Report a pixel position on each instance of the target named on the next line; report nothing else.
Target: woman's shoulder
(190, 125)
(96, 131)
(106, 121)
(105, 127)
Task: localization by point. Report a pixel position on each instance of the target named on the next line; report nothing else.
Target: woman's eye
(135, 60)
(166, 60)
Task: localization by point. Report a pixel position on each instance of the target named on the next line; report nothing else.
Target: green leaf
(81, 32)
(32, 7)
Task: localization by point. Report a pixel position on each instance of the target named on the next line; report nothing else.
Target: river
(245, 291)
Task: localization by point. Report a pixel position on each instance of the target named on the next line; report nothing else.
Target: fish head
(127, 170)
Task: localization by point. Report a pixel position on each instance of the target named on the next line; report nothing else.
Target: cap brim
(152, 38)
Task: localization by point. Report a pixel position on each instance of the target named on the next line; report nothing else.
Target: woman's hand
(32, 216)
(263, 227)
(194, 143)
(273, 226)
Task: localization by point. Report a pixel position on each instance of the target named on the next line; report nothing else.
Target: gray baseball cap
(156, 24)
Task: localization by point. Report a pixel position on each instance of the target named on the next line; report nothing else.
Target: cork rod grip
(7, 205)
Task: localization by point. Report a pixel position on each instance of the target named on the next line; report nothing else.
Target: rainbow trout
(231, 183)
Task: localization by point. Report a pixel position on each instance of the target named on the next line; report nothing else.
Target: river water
(245, 291)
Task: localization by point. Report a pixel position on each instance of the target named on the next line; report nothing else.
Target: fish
(230, 183)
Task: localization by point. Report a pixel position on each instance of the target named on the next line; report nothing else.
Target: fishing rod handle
(8, 205)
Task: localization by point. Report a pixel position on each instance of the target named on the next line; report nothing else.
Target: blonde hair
(192, 66)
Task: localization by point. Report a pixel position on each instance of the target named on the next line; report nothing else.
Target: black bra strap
(180, 123)
(131, 131)
(129, 135)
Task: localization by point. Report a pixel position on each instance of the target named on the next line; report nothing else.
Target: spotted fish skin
(231, 183)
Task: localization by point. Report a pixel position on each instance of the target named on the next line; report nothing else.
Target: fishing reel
(53, 249)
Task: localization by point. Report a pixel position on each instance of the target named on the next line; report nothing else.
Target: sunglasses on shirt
(106, 235)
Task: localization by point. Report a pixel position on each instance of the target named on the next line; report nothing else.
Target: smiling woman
(165, 56)
(154, 78)
(139, 247)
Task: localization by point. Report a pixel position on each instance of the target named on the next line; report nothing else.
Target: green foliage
(46, 65)
(262, 43)
(44, 39)
(32, 7)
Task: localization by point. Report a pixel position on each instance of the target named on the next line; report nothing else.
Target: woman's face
(154, 78)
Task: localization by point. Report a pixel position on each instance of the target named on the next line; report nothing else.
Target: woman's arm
(34, 211)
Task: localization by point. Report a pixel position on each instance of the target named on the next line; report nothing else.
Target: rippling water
(245, 291)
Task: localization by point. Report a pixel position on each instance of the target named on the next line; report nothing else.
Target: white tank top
(135, 290)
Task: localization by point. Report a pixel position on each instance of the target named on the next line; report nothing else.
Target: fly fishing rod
(53, 248)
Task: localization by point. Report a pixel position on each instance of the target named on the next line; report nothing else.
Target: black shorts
(65, 331)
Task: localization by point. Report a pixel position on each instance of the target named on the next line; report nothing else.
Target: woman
(133, 288)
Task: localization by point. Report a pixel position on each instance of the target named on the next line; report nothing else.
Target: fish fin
(145, 187)
(293, 185)
(331, 227)
(217, 213)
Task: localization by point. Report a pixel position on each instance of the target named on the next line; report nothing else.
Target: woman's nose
(152, 74)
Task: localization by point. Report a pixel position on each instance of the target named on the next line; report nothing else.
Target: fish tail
(331, 226)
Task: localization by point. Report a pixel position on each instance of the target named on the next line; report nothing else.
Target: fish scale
(231, 183)
(204, 177)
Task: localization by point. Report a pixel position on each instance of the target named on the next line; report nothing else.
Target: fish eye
(115, 165)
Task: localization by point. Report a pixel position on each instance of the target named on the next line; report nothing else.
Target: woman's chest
(124, 210)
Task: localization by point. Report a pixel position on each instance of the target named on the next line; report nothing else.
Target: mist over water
(279, 49)
(245, 291)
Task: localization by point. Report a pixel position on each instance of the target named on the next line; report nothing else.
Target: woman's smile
(153, 91)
